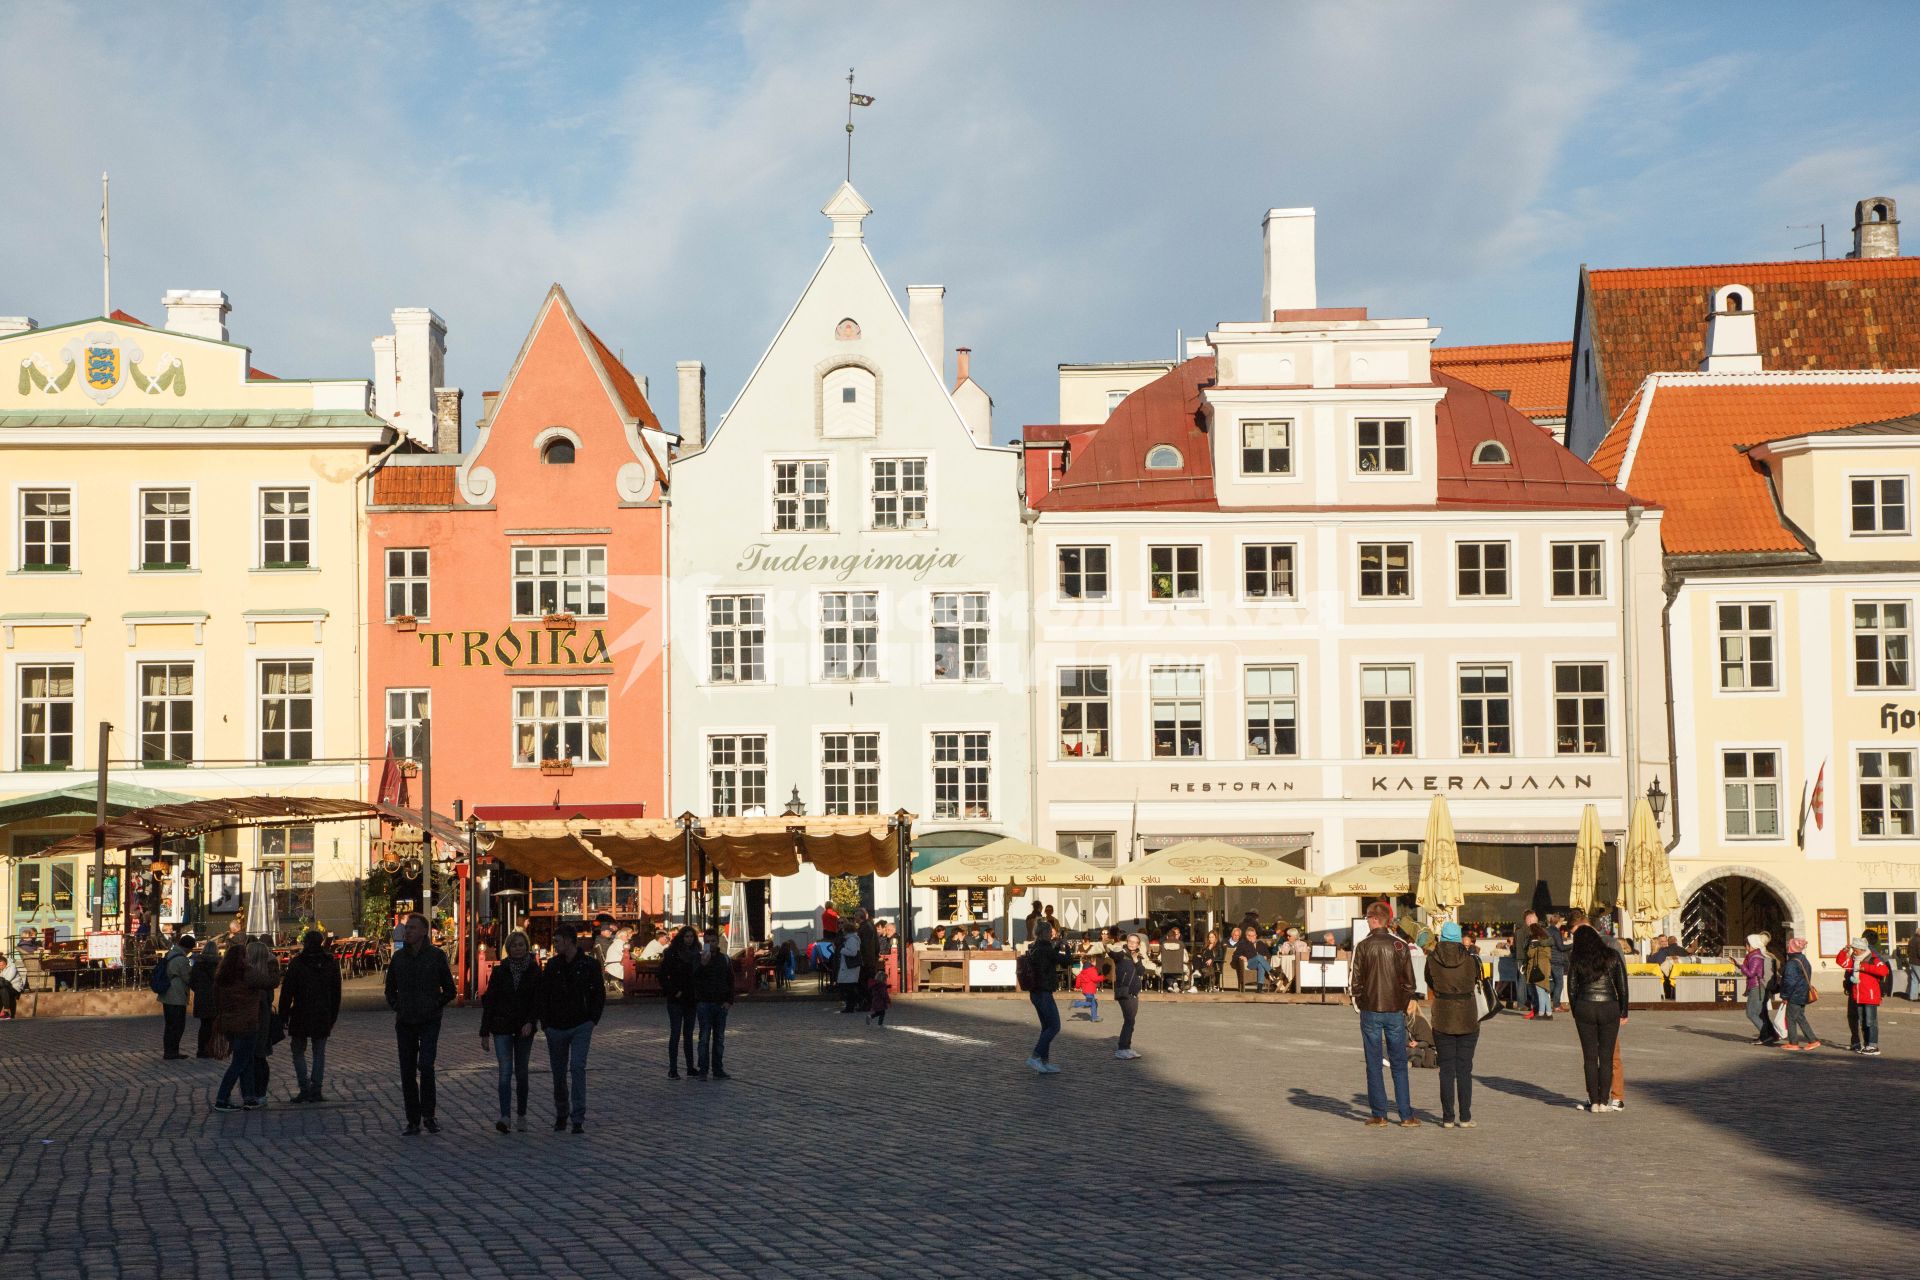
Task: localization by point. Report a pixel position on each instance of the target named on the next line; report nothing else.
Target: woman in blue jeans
(509, 1015)
(1044, 960)
(238, 1005)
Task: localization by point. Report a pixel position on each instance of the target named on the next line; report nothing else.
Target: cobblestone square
(1232, 1147)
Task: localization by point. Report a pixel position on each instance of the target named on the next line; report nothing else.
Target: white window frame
(1411, 697)
(1578, 597)
(1360, 448)
(1199, 595)
(902, 524)
(739, 634)
(1287, 447)
(1179, 699)
(1854, 633)
(840, 752)
(851, 597)
(137, 688)
(1106, 597)
(258, 703)
(1880, 479)
(739, 772)
(584, 581)
(1360, 596)
(971, 619)
(1460, 546)
(140, 561)
(1746, 636)
(17, 713)
(800, 526)
(20, 492)
(410, 582)
(561, 719)
(1062, 700)
(416, 706)
(1270, 700)
(1246, 550)
(1887, 923)
(962, 766)
(1609, 723)
(1461, 697)
(1780, 814)
(262, 562)
(1907, 781)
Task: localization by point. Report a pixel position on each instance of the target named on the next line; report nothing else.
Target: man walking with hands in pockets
(1382, 988)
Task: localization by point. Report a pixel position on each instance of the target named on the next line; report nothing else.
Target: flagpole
(106, 251)
(849, 124)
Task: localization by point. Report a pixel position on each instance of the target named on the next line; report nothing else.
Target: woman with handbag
(1796, 988)
(1539, 970)
(1453, 976)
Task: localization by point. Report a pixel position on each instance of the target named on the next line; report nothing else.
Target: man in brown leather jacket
(1381, 988)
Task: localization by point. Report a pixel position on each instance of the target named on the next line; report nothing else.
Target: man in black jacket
(869, 957)
(419, 986)
(572, 997)
(713, 987)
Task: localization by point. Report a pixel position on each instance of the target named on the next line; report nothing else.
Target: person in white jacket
(849, 960)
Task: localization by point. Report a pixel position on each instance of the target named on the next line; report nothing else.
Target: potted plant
(405, 622)
(558, 622)
(557, 768)
(409, 768)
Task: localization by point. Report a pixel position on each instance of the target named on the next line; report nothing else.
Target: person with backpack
(200, 988)
(1757, 968)
(1869, 972)
(1796, 988)
(1128, 975)
(509, 1015)
(1038, 970)
(677, 966)
(419, 986)
(170, 983)
(309, 1006)
(572, 998)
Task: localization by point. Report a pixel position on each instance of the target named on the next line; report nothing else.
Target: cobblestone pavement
(1231, 1148)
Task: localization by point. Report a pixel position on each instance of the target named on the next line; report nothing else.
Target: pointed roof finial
(847, 211)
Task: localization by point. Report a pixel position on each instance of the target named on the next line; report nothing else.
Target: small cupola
(1876, 228)
(1732, 344)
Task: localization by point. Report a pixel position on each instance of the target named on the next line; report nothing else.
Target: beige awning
(547, 850)
(1209, 864)
(142, 828)
(637, 846)
(1396, 873)
(1009, 862)
(738, 848)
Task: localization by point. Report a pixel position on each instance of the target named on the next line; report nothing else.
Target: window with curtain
(560, 724)
(286, 712)
(166, 713)
(46, 717)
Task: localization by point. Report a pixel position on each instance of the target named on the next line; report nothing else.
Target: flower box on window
(287, 564)
(559, 622)
(557, 768)
(163, 566)
(405, 622)
(409, 768)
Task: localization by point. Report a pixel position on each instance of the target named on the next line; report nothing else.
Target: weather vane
(853, 100)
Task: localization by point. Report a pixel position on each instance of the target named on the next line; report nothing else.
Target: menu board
(107, 947)
(1833, 934)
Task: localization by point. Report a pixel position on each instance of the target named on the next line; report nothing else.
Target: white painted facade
(844, 503)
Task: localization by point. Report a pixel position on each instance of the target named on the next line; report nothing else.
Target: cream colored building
(182, 561)
(1793, 568)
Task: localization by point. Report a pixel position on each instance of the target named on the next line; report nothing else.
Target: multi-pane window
(1096, 847)
(561, 725)
(1173, 573)
(407, 594)
(1385, 570)
(1082, 573)
(1891, 915)
(1177, 698)
(1086, 713)
(1746, 646)
(166, 712)
(1272, 711)
(1886, 793)
(1879, 504)
(1882, 644)
(46, 717)
(1381, 848)
(1486, 710)
(800, 495)
(850, 635)
(850, 772)
(1386, 711)
(962, 774)
(1266, 448)
(1267, 571)
(286, 712)
(46, 530)
(560, 580)
(1480, 570)
(407, 712)
(287, 852)
(166, 528)
(736, 639)
(960, 636)
(1580, 708)
(1382, 445)
(1576, 571)
(899, 493)
(736, 773)
(286, 528)
(1750, 783)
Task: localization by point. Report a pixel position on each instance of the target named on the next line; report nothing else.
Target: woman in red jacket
(1869, 972)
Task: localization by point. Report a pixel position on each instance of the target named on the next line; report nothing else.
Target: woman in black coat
(1597, 988)
(200, 989)
(677, 969)
(309, 1006)
(509, 1015)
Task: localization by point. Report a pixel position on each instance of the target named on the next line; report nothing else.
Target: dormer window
(1491, 453)
(557, 452)
(1164, 457)
(1736, 303)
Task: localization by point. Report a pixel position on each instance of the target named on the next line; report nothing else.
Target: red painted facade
(517, 598)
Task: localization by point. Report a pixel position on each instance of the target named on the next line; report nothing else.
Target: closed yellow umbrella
(1646, 890)
(1588, 849)
(1438, 892)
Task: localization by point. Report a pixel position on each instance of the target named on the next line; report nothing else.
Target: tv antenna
(1821, 227)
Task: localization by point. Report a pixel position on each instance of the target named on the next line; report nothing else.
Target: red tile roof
(1841, 313)
(414, 486)
(1107, 468)
(1533, 374)
(624, 383)
(124, 318)
(1686, 456)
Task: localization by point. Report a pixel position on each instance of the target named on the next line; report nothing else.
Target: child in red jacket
(1869, 973)
(1088, 985)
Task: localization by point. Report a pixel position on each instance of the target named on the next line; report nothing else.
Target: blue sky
(1084, 178)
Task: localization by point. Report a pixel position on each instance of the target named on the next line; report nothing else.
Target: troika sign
(765, 557)
(534, 647)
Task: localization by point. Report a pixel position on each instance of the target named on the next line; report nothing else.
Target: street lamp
(796, 807)
(1657, 801)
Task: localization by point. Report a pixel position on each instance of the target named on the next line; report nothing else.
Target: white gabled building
(848, 573)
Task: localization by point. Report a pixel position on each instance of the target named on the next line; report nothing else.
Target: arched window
(557, 451)
(1879, 213)
(1491, 453)
(849, 402)
(1735, 302)
(1163, 457)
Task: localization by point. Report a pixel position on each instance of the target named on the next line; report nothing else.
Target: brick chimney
(199, 312)
(927, 314)
(1876, 228)
(446, 419)
(1288, 285)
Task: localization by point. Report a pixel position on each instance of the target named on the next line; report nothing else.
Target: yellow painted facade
(182, 559)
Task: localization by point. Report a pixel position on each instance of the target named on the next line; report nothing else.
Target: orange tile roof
(1533, 374)
(397, 486)
(1840, 313)
(624, 382)
(1685, 454)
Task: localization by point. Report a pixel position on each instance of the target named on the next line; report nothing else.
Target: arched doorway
(1724, 910)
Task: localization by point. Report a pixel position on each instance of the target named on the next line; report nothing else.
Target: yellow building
(1793, 586)
(182, 563)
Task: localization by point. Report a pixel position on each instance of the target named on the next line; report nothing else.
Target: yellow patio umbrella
(1209, 864)
(1393, 874)
(1009, 862)
(1646, 888)
(1589, 848)
(1438, 891)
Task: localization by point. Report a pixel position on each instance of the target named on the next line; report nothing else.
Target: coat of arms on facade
(104, 364)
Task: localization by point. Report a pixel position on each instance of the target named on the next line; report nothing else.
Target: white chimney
(1732, 345)
(1289, 281)
(409, 366)
(971, 399)
(199, 312)
(17, 324)
(927, 314)
(693, 403)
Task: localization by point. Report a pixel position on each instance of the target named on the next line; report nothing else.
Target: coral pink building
(517, 599)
